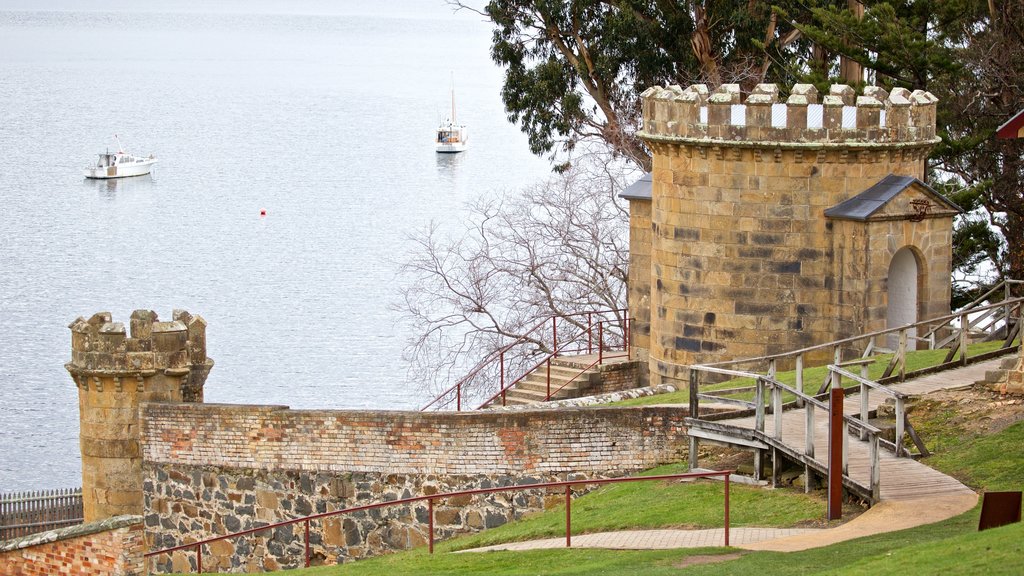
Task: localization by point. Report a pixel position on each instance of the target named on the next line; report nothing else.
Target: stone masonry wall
(614, 378)
(743, 260)
(640, 276)
(111, 547)
(115, 371)
(1012, 381)
(217, 469)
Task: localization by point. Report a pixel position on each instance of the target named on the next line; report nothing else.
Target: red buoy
(263, 212)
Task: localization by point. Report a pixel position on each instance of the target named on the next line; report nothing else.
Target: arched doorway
(902, 287)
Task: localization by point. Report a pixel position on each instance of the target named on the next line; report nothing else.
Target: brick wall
(274, 437)
(615, 378)
(111, 547)
(217, 469)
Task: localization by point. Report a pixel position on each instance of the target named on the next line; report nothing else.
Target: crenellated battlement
(697, 115)
(116, 371)
(99, 345)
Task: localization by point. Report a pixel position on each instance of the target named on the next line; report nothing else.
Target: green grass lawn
(658, 505)
(813, 377)
(953, 546)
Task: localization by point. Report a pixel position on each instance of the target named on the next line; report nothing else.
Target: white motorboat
(451, 136)
(120, 164)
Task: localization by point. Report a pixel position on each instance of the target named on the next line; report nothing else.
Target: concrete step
(992, 376)
(539, 393)
(541, 388)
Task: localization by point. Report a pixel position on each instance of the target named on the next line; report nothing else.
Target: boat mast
(453, 98)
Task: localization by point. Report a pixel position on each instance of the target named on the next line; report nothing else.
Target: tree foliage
(970, 54)
(574, 70)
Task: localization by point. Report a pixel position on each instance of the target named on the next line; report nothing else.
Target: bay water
(320, 113)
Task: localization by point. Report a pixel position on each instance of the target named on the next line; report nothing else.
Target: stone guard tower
(770, 226)
(160, 362)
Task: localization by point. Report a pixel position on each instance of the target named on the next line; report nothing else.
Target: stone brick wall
(216, 469)
(1013, 381)
(114, 372)
(743, 261)
(615, 378)
(111, 547)
(639, 296)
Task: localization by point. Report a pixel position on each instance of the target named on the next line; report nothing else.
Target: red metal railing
(197, 546)
(601, 356)
(581, 336)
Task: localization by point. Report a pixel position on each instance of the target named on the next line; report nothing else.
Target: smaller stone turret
(114, 373)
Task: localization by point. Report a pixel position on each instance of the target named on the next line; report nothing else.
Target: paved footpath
(886, 516)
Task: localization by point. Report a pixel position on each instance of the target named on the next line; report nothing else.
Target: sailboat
(451, 136)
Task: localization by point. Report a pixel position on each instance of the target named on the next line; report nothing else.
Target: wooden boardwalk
(900, 478)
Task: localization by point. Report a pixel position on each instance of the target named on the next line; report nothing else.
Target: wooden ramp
(900, 478)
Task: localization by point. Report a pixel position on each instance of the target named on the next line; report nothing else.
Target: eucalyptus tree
(574, 69)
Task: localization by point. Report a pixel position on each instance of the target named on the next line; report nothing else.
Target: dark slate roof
(1010, 128)
(639, 190)
(863, 205)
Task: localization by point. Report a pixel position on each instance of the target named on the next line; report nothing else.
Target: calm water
(321, 113)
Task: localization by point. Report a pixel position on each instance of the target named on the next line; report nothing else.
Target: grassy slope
(995, 463)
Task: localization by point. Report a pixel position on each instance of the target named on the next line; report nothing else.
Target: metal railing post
(458, 397)
(568, 516)
(835, 454)
(430, 522)
(600, 341)
(502, 368)
(199, 559)
(726, 508)
(307, 543)
(549, 380)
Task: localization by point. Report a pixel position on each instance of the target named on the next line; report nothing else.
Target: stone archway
(902, 286)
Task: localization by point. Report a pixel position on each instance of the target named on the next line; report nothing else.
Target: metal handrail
(430, 506)
(547, 360)
(446, 395)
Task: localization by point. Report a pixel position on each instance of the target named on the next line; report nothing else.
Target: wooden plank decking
(901, 478)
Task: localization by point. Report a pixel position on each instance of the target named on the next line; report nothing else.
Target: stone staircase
(1005, 378)
(567, 377)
